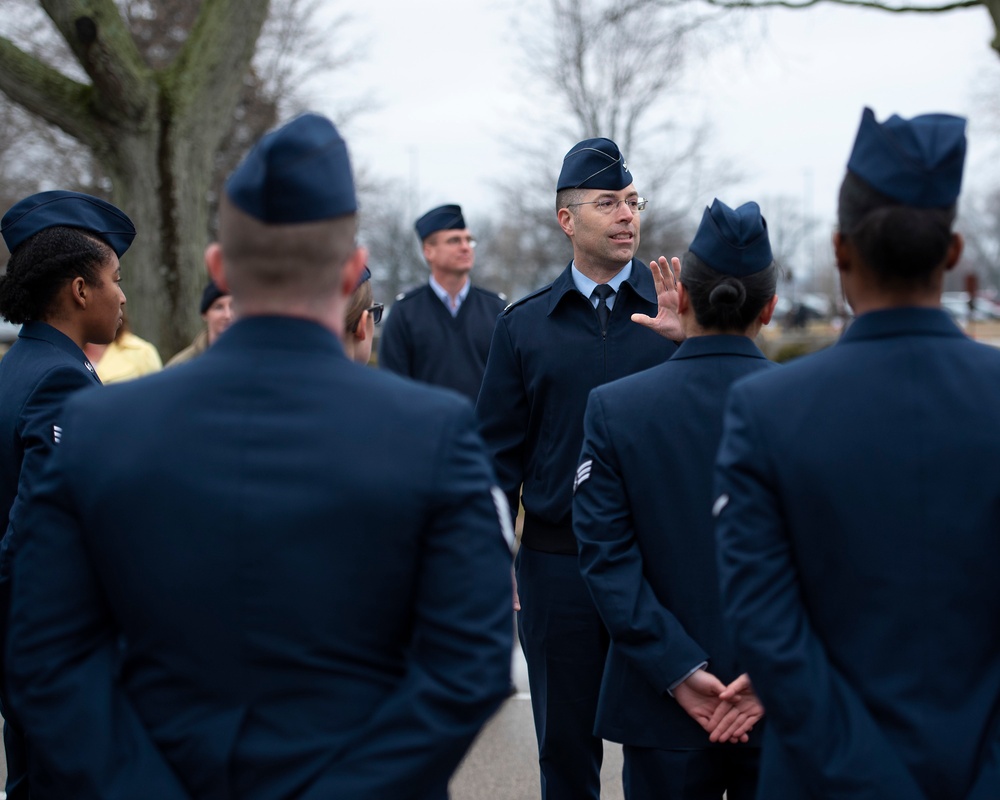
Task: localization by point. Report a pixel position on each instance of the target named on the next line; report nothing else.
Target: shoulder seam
(536, 293)
(409, 294)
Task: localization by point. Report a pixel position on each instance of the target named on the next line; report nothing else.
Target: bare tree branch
(44, 91)
(102, 44)
(904, 9)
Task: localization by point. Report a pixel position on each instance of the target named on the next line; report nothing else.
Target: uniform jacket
(859, 535)
(642, 514)
(38, 373)
(422, 340)
(298, 563)
(548, 352)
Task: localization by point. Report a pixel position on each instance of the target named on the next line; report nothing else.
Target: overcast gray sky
(785, 94)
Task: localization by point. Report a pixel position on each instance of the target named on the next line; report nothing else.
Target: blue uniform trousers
(564, 644)
(706, 773)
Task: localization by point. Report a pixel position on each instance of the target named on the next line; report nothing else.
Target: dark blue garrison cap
(594, 164)
(61, 208)
(366, 275)
(299, 173)
(917, 161)
(442, 218)
(733, 242)
(209, 295)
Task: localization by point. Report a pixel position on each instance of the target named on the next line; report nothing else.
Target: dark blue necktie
(603, 292)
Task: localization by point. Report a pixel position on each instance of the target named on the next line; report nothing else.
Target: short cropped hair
(724, 302)
(305, 257)
(41, 265)
(902, 245)
(567, 197)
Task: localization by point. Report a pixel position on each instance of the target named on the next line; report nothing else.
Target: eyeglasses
(376, 312)
(459, 240)
(607, 205)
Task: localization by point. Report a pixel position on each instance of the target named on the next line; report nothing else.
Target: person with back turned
(859, 511)
(269, 572)
(642, 516)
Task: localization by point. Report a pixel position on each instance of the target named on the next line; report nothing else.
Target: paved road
(503, 762)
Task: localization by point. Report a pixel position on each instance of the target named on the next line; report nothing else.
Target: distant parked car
(957, 304)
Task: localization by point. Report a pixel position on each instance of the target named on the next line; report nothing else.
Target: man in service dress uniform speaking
(270, 572)
(549, 350)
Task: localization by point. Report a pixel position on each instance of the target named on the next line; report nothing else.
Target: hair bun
(728, 292)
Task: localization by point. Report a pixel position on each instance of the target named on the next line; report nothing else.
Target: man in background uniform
(269, 572)
(439, 333)
(549, 350)
(859, 509)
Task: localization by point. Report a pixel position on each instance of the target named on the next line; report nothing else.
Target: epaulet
(527, 297)
(407, 295)
(489, 293)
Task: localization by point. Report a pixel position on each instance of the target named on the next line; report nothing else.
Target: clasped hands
(727, 713)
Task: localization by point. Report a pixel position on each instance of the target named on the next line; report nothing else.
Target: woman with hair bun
(673, 693)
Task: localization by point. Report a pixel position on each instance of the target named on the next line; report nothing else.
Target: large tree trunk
(163, 272)
(155, 132)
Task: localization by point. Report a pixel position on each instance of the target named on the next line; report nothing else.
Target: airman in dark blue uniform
(642, 518)
(440, 333)
(549, 350)
(859, 509)
(62, 283)
(296, 561)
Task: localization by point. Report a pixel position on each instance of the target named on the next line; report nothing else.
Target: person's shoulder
(777, 381)
(498, 298)
(637, 389)
(410, 294)
(48, 366)
(530, 302)
(400, 397)
(988, 353)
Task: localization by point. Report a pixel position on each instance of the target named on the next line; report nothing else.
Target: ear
(213, 263)
(352, 270)
(361, 332)
(683, 299)
(843, 252)
(426, 248)
(768, 311)
(954, 254)
(566, 221)
(78, 291)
